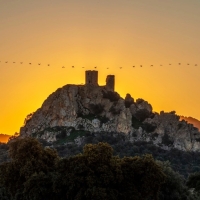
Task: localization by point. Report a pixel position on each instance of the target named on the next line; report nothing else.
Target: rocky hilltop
(94, 108)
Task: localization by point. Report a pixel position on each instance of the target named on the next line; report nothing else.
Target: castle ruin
(110, 83)
(91, 77)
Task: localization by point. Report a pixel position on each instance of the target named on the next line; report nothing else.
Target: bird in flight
(151, 65)
(133, 66)
(95, 67)
(107, 68)
(195, 64)
(120, 67)
(21, 62)
(179, 63)
(72, 66)
(83, 67)
(39, 63)
(6, 61)
(188, 64)
(160, 65)
(170, 64)
(30, 63)
(63, 66)
(140, 65)
(13, 62)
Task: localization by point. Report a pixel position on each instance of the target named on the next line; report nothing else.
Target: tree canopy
(37, 173)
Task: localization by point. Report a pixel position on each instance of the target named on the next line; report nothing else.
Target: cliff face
(95, 109)
(90, 107)
(167, 131)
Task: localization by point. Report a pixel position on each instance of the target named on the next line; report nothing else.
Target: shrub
(166, 140)
(149, 127)
(114, 110)
(112, 96)
(96, 109)
(139, 101)
(136, 123)
(61, 135)
(174, 186)
(142, 114)
(28, 118)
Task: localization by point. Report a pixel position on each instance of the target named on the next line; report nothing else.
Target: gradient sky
(102, 33)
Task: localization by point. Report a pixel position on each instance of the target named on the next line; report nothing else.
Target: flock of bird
(30, 63)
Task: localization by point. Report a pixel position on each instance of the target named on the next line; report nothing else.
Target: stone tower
(110, 83)
(91, 77)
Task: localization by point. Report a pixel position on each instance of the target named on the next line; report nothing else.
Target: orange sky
(102, 33)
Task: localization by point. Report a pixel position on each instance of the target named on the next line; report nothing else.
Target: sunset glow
(111, 34)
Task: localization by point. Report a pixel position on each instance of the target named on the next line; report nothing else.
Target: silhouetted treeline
(37, 172)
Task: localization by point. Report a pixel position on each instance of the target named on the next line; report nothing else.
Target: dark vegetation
(182, 162)
(3, 152)
(128, 101)
(96, 109)
(37, 172)
(112, 96)
(194, 182)
(166, 140)
(114, 110)
(128, 104)
(136, 123)
(142, 114)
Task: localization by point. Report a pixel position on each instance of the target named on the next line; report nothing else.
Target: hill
(92, 108)
(191, 120)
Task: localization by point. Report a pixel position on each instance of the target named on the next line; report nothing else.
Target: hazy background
(102, 33)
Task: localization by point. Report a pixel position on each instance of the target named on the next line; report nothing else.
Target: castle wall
(110, 83)
(91, 77)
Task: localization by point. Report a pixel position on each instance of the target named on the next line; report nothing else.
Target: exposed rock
(73, 105)
(170, 133)
(93, 108)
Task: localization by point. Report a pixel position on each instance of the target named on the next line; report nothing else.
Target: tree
(174, 186)
(28, 160)
(37, 173)
(97, 174)
(91, 175)
(193, 182)
(142, 178)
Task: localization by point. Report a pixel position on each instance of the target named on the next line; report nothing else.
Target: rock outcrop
(91, 107)
(166, 130)
(94, 108)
